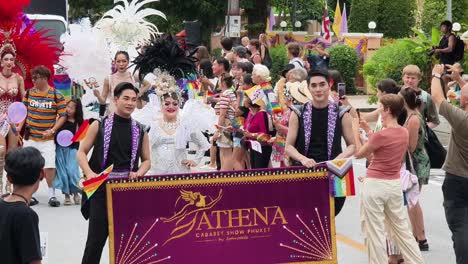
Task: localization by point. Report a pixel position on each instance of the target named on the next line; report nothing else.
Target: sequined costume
(8, 94)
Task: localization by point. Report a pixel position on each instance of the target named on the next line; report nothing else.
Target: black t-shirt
(19, 233)
(120, 146)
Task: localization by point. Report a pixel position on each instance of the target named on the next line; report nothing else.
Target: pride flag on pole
(344, 21)
(271, 22)
(81, 133)
(326, 23)
(337, 20)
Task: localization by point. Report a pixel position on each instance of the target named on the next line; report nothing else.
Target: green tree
(345, 59)
(394, 18)
(434, 12)
(257, 12)
(361, 13)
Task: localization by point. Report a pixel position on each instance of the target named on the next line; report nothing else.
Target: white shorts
(47, 149)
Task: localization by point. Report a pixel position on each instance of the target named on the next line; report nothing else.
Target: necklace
(21, 196)
(170, 125)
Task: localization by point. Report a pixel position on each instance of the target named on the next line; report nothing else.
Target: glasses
(36, 77)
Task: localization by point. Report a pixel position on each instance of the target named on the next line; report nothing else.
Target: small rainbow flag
(276, 108)
(81, 133)
(263, 137)
(238, 122)
(90, 186)
(281, 141)
(342, 176)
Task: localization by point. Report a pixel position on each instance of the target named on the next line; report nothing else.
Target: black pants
(455, 190)
(97, 228)
(260, 160)
(339, 203)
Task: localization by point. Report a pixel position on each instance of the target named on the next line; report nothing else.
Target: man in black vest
(120, 141)
(315, 131)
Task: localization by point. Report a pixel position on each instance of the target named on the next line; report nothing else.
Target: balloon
(64, 138)
(17, 112)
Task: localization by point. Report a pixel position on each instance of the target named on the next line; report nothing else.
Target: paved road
(66, 229)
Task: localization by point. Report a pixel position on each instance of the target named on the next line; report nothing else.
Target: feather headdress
(10, 11)
(125, 25)
(165, 54)
(33, 48)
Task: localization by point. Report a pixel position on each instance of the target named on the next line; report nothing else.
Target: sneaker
(53, 202)
(423, 245)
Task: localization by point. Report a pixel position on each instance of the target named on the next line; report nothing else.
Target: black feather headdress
(165, 54)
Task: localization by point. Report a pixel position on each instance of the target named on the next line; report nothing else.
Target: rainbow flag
(276, 108)
(281, 141)
(263, 137)
(342, 177)
(81, 133)
(90, 186)
(238, 122)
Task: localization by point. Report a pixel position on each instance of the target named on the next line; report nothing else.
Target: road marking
(351, 242)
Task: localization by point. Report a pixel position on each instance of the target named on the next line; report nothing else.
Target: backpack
(459, 50)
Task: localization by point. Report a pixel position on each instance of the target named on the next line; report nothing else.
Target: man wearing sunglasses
(46, 113)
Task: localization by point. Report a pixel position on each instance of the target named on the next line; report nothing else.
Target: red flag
(326, 24)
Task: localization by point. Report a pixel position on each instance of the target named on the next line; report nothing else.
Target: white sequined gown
(166, 158)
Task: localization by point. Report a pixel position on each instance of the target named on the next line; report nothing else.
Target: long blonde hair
(263, 38)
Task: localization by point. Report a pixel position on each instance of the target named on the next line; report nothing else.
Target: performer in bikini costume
(121, 60)
(11, 87)
(122, 142)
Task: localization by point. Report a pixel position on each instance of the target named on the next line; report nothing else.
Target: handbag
(435, 150)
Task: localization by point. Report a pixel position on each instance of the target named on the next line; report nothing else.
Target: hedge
(345, 60)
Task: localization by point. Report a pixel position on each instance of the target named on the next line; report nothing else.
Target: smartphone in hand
(341, 90)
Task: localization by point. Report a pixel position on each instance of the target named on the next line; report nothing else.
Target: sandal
(67, 201)
(33, 201)
(77, 199)
(53, 202)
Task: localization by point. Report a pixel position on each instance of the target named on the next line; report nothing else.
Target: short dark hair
(448, 24)
(247, 79)
(412, 97)
(42, 71)
(224, 62)
(388, 86)
(245, 66)
(24, 165)
(393, 102)
(227, 43)
(122, 87)
(206, 68)
(336, 77)
(228, 79)
(317, 73)
(241, 51)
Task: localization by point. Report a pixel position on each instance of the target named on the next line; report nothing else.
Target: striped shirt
(227, 101)
(43, 109)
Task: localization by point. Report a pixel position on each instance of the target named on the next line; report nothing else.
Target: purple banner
(259, 216)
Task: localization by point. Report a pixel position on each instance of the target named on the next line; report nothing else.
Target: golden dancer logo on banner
(195, 203)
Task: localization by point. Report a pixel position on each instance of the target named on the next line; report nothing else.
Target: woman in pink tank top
(121, 60)
(11, 89)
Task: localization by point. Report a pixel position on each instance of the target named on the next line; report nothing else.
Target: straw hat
(299, 91)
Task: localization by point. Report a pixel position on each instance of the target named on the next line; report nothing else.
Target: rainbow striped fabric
(342, 177)
(90, 186)
(81, 133)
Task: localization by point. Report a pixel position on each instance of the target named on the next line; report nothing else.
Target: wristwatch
(436, 75)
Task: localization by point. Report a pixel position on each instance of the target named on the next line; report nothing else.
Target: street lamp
(298, 25)
(372, 25)
(456, 27)
(283, 25)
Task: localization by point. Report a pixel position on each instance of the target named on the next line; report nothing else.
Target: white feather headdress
(125, 25)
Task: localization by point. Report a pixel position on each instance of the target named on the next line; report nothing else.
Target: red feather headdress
(33, 48)
(10, 11)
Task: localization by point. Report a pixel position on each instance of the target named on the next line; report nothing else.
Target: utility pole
(449, 10)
